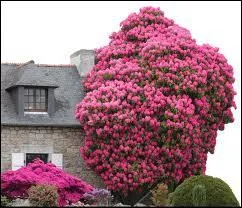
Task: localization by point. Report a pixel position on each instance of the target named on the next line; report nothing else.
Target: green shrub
(160, 195)
(199, 195)
(43, 195)
(4, 201)
(218, 193)
(170, 198)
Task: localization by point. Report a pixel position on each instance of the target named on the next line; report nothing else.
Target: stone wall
(66, 141)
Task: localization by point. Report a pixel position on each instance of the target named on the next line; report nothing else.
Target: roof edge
(19, 65)
(42, 125)
(29, 85)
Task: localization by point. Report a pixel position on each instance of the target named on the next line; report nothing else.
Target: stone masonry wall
(66, 141)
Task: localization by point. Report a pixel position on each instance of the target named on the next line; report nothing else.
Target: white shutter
(17, 160)
(57, 159)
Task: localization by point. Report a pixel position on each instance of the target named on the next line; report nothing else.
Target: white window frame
(18, 160)
(55, 158)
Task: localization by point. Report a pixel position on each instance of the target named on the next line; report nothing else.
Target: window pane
(37, 91)
(42, 99)
(42, 106)
(31, 105)
(25, 91)
(37, 105)
(31, 92)
(42, 92)
(31, 156)
(37, 94)
(26, 106)
(31, 99)
(37, 98)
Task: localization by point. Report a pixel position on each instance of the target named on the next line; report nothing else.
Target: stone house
(37, 114)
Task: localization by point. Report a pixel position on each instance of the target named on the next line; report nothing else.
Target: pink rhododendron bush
(15, 184)
(155, 101)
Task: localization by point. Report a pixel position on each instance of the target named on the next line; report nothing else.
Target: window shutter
(57, 159)
(17, 160)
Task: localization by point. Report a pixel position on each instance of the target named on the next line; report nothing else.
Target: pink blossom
(70, 188)
(152, 92)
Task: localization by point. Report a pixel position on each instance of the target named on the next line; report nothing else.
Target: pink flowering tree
(15, 184)
(155, 101)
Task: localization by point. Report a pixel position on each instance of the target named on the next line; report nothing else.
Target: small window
(35, 99)
(31, 156)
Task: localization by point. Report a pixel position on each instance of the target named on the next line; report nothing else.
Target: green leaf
(107, 76)
(142, 98)
(165, 69)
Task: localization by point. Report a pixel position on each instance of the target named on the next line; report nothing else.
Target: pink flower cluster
(15, 184)
(155, 101)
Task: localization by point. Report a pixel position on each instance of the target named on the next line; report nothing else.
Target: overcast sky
(49, 32)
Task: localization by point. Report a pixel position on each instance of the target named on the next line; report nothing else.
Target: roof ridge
(9, 63)
(39, 65)
(56, 65)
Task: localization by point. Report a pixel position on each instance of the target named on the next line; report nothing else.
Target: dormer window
(35, 99)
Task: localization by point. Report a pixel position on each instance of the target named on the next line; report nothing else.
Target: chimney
(84, 61)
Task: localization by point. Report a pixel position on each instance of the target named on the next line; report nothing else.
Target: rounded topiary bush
(218, 193)
(199, 195)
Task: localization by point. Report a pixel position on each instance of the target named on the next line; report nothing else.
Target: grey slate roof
(68, 92)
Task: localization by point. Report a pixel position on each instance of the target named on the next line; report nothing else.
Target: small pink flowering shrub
(155, 101)
(15, 184)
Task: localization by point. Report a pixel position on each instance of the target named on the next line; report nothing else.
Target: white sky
(49, 32)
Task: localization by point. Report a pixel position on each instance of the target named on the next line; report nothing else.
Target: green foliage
(218, 193)
(43, 195)
(164, 69)
(199, 195)
(107, 76)
(160, 195)
(170, 198)
(142, 98)
(141, 84)
(174, 110)
(192, 93)
(4, 201)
